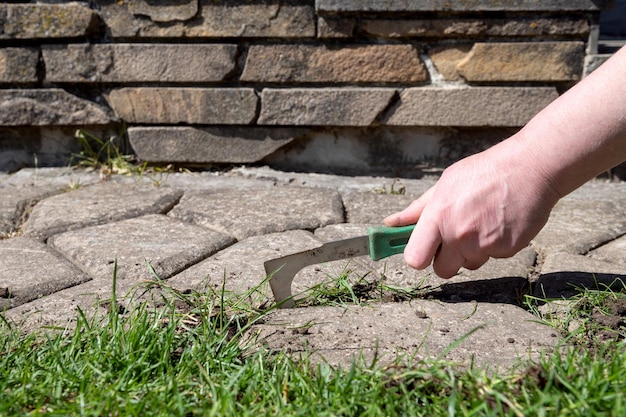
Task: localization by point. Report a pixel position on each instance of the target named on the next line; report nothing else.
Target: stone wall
(363, 86)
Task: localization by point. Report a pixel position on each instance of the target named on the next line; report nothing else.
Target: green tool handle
(387, 241)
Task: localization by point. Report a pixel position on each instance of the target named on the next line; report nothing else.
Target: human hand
(487, 205)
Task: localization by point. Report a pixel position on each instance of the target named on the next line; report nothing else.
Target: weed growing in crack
(104, 155)
(344, 288)
(107, 156)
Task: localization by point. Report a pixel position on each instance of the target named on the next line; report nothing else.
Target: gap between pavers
(614, 252)
(60, 309)
(244, 213)
(590, 216)
(30, 269)
(22, 190)
(168, 244)
(97, 204)
(565, 275)
(495, 335)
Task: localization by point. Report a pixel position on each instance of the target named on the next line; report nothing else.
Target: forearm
(583, 132)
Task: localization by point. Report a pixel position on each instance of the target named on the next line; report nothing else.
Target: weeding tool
(380, 242)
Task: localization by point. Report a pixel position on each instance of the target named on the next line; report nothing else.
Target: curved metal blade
(285, 268)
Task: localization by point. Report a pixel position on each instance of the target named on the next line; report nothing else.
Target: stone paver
(209, 231)
(49, 107)
(22, 190)
(614, 251)
(584, 220)
(244, 213)
(417, 330)
(167, 244)
(98, 204)
(22, 261)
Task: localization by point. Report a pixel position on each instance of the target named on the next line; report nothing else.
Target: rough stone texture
(61, 308)
(502, 334)
(323, 106)
(18, 65)
(335, 28)
(348, 64)
(244, 213)
(49, 107)
(469, 28)
(139, 63)
(167, 244)
(614, 251)
(209, 180)
(167, 12)
(17, 201)
(446, 58)
(230, 18)
(565, 275)
(490, 106)
(208, 145)
(523, 61)
(29, 270)
(97, 204)
(45, 21)
(575, 226)
(185, 105)
(356, 6)
(373, 207)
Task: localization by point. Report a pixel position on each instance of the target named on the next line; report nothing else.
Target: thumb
(412, 213)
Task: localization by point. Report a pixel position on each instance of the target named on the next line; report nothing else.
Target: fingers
(448, 261)
(422, 245)
(427, 245)
(412, 213)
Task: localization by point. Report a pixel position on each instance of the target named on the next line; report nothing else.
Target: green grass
(107, 156)
(189, 357)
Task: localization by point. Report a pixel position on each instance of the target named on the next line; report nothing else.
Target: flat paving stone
(169, 245)
(497, 335)
(244, 213)
(614, 251)
(60, 309)
(21, 190)
(592, 215)
(29, 270)
(564, 275)
(372, 207)
(16, 201)
(97, 204)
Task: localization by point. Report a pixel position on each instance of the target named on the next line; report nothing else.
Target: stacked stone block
(391, 87)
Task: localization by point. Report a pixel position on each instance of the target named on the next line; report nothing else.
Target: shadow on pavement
(565, 284)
